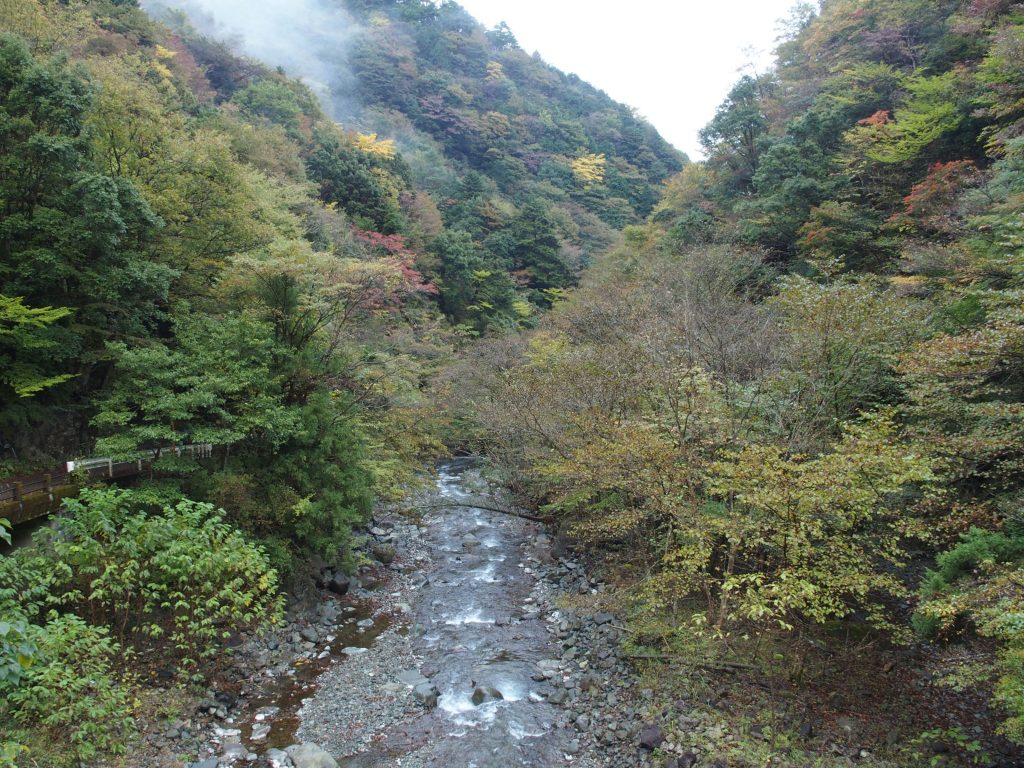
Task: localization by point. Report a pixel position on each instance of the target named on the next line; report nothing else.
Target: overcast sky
(674, 60)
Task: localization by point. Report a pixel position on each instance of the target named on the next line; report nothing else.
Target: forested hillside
(775, 398)
(790, 408)
(194, 253)
(530, 172)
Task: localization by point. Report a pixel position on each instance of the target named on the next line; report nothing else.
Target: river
(477, 628)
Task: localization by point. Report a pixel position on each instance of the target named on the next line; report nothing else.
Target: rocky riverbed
(460, 657)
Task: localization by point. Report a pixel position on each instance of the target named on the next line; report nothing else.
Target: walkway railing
(27, 498)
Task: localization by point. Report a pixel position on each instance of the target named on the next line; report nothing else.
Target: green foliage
(72, 235)
(215, 385)
(976, 587)
(74, 692)
(22, 336)
(843, 343)
(474, 290)
(17, 651)
(977, 546)
(755, 455)
(320, 487)
(822, 526)
(918, 750)
(732, 137)
(843, 234)
(347, 178)
(178, 575)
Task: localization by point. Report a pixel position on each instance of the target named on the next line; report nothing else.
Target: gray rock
(310, 756)
(384, 553)
(310, 634)
(426, 694)
(233, 753)
(278, 759)
(651, 737)
(354, 650)
(333, 580)
(209, 763)
(590, 681)
(485, 693)
(411, 677)
(557, 696)
(849, 726)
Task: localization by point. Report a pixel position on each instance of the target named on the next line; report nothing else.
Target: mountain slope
(493, 141)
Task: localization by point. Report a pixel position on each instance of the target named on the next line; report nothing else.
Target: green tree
(214, 384)
(732, 138)
(24, 345)
(536, 252)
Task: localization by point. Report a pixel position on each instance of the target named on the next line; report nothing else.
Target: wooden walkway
(34, 496)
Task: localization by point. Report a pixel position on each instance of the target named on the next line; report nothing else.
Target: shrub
(978, 585)
(179, 573)
(17, 651)
(72, 692)
(976, 546)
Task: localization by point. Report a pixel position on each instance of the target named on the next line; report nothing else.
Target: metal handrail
(103, 466)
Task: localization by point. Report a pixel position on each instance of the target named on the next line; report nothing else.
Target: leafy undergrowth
(84, 610)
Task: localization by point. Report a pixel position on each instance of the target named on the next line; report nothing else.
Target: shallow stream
(474, 625)
(483, 633)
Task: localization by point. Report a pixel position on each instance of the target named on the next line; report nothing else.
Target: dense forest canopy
(778, 394)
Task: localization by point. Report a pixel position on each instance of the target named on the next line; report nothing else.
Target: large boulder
(277, 758)
(384, 553)
(426, 694)
(651, 737)
(310, 756)
(333, 580)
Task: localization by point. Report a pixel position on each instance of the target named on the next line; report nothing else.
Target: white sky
(673, 60)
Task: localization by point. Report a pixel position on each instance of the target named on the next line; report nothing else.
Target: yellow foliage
(371, 145)
(165, 53)
(688, 187)
(522, 308)
(162, 70)
(460, 93)
(25, 18)
(589, 169)
(495, 72)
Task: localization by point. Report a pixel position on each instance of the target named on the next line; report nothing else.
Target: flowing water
(474, 622)
(483, 632)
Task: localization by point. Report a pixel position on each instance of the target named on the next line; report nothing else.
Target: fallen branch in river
(486, 508)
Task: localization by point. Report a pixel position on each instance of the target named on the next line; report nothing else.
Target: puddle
(280, 703)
